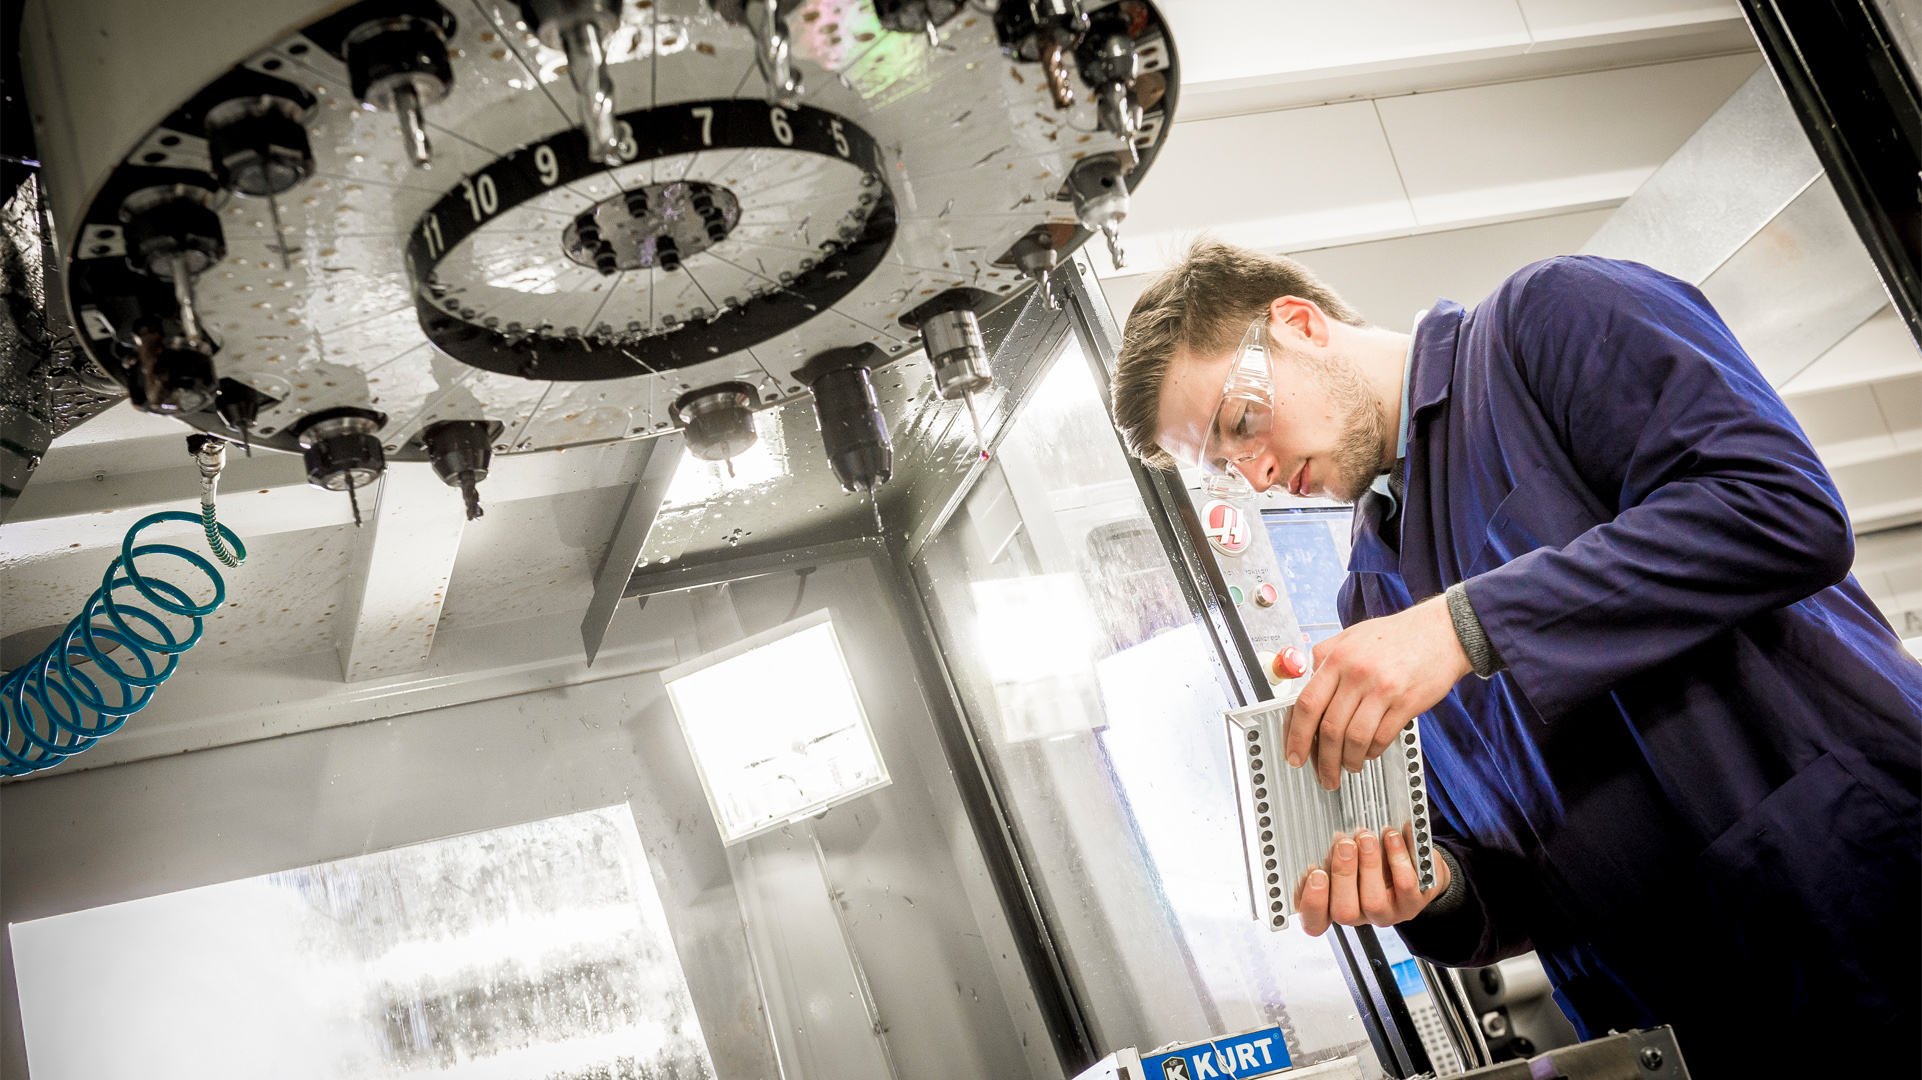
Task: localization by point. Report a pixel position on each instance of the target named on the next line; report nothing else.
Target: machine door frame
(1371, 984)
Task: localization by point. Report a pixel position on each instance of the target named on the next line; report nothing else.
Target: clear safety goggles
(1239, 429)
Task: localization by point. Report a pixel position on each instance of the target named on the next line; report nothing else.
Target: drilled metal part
(1289, 821)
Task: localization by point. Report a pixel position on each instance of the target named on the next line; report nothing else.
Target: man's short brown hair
(1203, 304)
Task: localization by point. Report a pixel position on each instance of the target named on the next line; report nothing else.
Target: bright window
(776, 727)
(535, 951)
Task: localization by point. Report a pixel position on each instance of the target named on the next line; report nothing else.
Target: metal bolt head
(1651, 1058)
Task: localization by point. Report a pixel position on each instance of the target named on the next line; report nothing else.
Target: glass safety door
(1096, 696)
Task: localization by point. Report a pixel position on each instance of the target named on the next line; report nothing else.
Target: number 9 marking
(550, 169)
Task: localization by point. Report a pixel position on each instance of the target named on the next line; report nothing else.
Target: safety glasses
(1243, 418)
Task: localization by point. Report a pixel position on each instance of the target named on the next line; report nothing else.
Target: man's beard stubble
(1357, 456)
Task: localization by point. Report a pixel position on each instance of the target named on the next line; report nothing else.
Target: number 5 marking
(706, 115)
(840, 137)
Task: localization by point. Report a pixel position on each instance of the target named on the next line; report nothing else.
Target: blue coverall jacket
(1694, 791)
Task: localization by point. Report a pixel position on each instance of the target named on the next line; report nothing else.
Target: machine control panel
(1257, 588)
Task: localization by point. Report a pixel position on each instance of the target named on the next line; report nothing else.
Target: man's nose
(1261, 472)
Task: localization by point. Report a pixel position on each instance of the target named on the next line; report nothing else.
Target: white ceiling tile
(1901, 402)
(1389, 280)
(1882, 492)
(1878, 349)
(1233, 40)
(1490, 152)
(1272, 180)
(1552, 21)
(1838, 416)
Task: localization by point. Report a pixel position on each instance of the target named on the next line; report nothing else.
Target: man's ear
(1296, 319)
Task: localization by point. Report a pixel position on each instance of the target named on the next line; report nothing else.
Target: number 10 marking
(482, 197)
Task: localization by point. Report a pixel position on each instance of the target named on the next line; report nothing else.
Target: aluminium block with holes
(1288, 821)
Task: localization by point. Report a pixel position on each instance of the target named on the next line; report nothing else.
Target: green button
(1234, 594)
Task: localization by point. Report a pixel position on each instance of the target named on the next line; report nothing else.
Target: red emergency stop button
(1267, 596)
(1290, 663)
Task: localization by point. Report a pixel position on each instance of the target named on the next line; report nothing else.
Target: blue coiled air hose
(57, 704)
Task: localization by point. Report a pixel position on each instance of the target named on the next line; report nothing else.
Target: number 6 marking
(777, 118)
(550, 169)
(706, 115)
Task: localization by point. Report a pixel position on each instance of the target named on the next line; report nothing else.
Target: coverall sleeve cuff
(1468, 630)
(1452, 898)
(1453, 928)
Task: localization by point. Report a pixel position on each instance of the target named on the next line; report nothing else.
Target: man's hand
(1354, 889)
(1369, 681)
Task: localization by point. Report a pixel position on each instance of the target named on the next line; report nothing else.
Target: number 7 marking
(706, 114)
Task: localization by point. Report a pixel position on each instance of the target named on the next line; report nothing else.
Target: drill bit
(280, 238)
(413, 127)
(980, 441)
(184, 298)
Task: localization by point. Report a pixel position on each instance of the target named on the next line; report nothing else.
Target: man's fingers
(1298, 735)
(1304, 717)
(1377, 903)
(1403, 880)
(1311, 901)
(1334, 728)
(1344, 902)
(1359, 737)
(1387, 731)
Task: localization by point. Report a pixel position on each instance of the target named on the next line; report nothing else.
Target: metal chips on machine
(1288, 821)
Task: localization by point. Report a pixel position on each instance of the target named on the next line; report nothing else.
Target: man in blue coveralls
(1689, 772)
